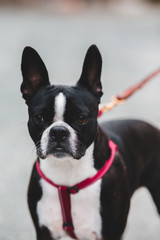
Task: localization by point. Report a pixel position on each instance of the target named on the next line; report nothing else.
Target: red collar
(65, 191)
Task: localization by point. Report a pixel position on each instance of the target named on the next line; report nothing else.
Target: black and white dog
(72, 147)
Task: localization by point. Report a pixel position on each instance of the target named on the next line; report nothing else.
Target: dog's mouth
(60, 152)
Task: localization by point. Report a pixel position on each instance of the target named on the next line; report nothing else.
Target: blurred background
(127, 33)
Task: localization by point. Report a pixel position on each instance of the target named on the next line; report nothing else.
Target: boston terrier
(85, 173)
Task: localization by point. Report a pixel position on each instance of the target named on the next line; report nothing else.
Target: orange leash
(119, 99)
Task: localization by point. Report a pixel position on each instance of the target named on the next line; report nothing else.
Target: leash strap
(126, 94)
(65, 191)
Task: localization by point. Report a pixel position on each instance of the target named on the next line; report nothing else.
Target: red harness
(64, 191)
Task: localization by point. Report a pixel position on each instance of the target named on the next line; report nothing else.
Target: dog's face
(62, 119)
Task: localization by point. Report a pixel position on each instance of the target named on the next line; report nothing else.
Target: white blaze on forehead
(59, 106)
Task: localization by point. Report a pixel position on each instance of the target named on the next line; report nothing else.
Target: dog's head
(62, 119)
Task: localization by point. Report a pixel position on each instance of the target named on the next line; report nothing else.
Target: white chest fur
(85, 212)
(85, 205)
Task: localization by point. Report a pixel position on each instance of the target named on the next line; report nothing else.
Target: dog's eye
(38, 119)
(82, 119)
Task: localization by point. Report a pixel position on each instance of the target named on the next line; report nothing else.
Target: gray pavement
(129, 39)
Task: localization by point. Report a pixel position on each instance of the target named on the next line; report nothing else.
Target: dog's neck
(101, 149)
(69, 171)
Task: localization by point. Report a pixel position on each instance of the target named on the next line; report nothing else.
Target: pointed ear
(91, 72)
(34, 73)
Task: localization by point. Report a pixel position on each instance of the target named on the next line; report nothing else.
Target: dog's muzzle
(60, 140)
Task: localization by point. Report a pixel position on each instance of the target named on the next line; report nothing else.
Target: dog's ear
(34, 73)
(91, 72)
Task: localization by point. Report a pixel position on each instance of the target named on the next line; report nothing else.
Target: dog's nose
(59, 134)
